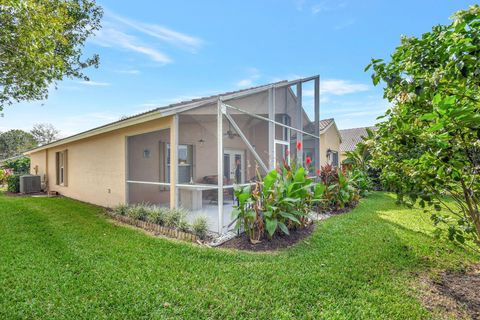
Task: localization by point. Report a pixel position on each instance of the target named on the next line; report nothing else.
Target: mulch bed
(278, 242)
(281, 241)
(455, 294)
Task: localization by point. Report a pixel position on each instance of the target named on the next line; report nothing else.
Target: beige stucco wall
(330, 139)
(343, 156)
(38, 164)
(96, 165)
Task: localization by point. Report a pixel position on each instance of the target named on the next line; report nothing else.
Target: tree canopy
(41, 43)
(428, 146)
(44, 133)
(14, 142)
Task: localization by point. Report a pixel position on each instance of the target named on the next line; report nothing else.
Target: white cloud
(253, 75)
(128, 71)
(341, 87)
(325, 6)
(127, 34)
(160, 32)
(299, 4)
(109, 37)
(344, 24)
(94, 83)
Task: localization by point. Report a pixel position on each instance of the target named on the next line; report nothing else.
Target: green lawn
(63, 259)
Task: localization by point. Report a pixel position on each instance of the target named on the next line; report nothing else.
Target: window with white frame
(185, 163)
(61, 167)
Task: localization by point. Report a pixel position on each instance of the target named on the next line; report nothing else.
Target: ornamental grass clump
(200, 227)
(156, 214)
(175, 217)
(138, 211)
(121, 209)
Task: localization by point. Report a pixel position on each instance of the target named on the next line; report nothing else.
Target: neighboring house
(330, 141)
(350, 139)
(173, 155)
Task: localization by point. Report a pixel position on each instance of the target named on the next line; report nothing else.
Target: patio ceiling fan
(230, 133)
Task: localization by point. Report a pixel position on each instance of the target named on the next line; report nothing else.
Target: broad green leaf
(271, 226)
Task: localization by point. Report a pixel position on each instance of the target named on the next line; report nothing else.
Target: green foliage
(14, 142)
(42, 43)
(138, 211)
(200, 227)
(279, 203)
(361, 181)
(19, 166)
(13, 182)
(339, 189)
(121, 210)
(4, 173)
(156, 214)
(175, 217)
(428, 145)
(356, 266)
(172, 218)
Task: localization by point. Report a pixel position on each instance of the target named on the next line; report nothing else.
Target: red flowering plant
(287, 196)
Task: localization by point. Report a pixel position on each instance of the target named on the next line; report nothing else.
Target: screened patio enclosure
(217, 143)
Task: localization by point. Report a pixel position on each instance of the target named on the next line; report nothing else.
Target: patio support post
(220, 163)
(317, 120)
(271, 128)
(242, 136)
(299, 120)
(174, 162)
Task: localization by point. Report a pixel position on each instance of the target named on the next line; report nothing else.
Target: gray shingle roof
(351, 137)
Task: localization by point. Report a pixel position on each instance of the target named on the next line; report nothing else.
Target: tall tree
(41, 42)
(44, 133)
(14, 142)
(429, 145)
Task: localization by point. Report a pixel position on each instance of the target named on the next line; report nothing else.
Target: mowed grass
(64, 259)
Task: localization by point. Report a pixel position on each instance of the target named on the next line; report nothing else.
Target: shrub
(173, 217)
(280, 202)
(156, 214)
(13, 182)
(137, 211)
(361, 180)
(4, 173)
(200, 227)
(19, 166)
(121, 209)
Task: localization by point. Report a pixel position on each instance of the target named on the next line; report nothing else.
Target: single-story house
(350, 139)
(174, 155)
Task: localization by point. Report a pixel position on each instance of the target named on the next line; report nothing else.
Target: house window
(185, 163)
(334, 158)
(61, 167)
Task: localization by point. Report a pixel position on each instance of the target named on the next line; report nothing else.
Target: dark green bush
(13, 182)
(19, 166)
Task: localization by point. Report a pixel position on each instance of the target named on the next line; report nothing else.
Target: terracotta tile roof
(323, 124)
(351, 137)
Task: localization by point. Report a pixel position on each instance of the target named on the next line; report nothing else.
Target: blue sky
(158, 52)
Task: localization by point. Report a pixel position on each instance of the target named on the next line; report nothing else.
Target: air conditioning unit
(30, 184)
